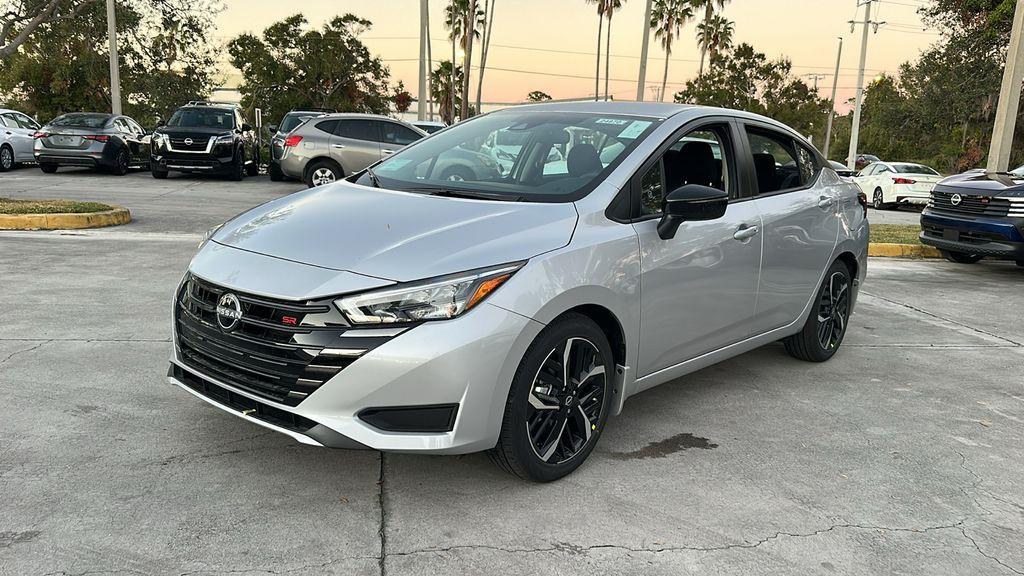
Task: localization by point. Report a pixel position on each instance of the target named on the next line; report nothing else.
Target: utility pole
(855, 129)
(814, 78)
(1009, 97)
(641, 81)
(115, 73)
(423, 97)
(832, 108)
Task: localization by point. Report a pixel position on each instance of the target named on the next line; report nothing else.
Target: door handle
(746, 232)
(337, 145)
(825, 202)
(387, 152)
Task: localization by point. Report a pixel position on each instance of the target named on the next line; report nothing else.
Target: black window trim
(374, 123)
(630, 194)
(798, 140)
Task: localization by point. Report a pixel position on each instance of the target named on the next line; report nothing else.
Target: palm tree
(463, 31)
(486, 44)
(601, 7)
(609, 10)
(709, 10)
(444, 81)
(667, 19)
(715, 36)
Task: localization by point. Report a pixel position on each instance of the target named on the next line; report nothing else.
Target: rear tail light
(97, 138)
(41, 135)
(292, 141)
(903, 181)
(862, 198)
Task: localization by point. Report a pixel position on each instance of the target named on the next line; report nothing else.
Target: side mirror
(246, 127)
(272, 128)
(691, 202)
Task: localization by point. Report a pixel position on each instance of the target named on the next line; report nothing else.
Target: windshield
(536, 156)
(81, 120)
(913, 169)
(292, 120)
(203, 118)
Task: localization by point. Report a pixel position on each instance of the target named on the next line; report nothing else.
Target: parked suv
(16, 131)
(400, 310)
(977, 214)
(95, 140)
(280, 132)
(331, 147)
(211, 137)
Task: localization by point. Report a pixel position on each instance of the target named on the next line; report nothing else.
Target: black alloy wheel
(825, 328)
(6, 158)
(559, 401)
(121, 163)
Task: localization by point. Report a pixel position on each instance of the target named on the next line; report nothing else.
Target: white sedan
(890, 184)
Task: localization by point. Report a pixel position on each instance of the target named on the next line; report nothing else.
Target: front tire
(276, 175)
(558, 402)
(238, 168)
(878, 200)
(826, 325)
(960, 257)
(6, 158)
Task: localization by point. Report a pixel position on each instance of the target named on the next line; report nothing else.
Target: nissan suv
(975, 215)
(516, 311)
(210, 137)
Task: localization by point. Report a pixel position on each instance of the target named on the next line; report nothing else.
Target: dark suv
(977, 214)
(206, 137)
(280, 131)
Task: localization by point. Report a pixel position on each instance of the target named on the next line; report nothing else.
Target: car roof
(361, 115)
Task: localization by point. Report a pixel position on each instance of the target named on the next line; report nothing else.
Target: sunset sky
(549, 45)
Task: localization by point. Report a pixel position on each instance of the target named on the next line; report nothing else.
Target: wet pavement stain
(8, 539)
(663, 448)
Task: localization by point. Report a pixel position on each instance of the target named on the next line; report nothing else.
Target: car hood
(982, 183)
(397, 235)
(187, 131)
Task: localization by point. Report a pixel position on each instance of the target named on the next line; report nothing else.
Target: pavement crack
(986, 554)
(943, 318)
(17, 352)
(569, 548)
(383, 530)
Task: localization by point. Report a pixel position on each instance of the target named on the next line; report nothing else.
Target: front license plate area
(950, 234)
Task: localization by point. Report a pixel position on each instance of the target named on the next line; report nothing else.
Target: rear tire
(121, 163)
(159, 174)
(877, 200)
(48, 168)
(253, 168)
(826, 325)
(553, 416)
(6, 158)
(321, 172)
(960, 257)
(276, 175)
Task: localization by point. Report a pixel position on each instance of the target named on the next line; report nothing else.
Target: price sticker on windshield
(634, 129)
(611, 121)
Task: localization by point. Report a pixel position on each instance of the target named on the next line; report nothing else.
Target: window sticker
(634, 129)
(611, 121)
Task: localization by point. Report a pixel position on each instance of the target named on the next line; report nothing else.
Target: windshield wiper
(472, 194)
(373, 178)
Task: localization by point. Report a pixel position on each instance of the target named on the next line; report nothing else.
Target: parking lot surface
(903, 454)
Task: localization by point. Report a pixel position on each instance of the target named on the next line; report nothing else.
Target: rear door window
(777, 163)
(397, 134)
(358, 130)
(327, 126)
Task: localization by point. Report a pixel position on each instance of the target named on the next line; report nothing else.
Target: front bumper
(998, 238)
(469, 361)
(221, 161)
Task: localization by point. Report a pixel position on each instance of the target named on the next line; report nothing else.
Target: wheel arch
(609, 325)
(322, 160)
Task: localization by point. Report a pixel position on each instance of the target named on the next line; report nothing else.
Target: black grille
(198, 144)
(273, 351)
(973, 205)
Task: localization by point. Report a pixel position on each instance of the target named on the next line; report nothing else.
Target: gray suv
(327, 148)
(515, 312)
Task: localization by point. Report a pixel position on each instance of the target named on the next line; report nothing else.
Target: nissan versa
(400, 311)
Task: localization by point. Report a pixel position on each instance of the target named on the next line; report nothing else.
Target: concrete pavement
(903, 454)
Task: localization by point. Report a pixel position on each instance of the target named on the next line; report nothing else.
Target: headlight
(209, 234)
(159, 139)
(436, 299)
(226, 139)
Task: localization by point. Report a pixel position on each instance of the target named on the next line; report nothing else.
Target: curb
(902, 250)
(65, 221)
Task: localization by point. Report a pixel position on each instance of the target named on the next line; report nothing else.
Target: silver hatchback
(329, 147)
(515, 310)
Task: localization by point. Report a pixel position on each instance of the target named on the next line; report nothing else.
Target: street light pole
(832, 108)
(851, 161)
(643, 53)
(115, 74)
(423, 97)
(1009, 97)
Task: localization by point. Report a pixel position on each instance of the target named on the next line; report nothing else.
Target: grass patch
(12, 206)
(895, 233)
